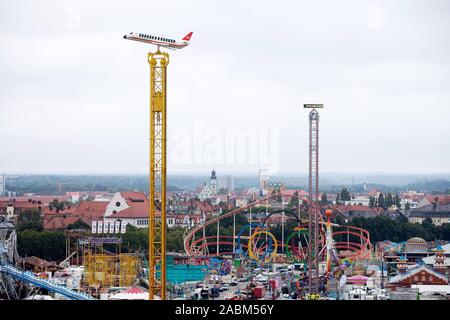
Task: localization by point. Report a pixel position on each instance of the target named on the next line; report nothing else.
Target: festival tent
(357, 279)
(133, 293)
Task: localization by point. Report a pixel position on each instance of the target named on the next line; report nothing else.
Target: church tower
(213, 182)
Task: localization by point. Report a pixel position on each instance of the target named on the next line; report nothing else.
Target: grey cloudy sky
(74, 93)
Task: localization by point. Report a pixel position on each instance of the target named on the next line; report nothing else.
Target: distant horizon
(219, 173)
(81, 105)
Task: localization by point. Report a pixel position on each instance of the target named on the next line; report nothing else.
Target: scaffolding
(109, 269)
(129, 266)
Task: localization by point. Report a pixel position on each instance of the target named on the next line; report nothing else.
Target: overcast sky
(74, 93)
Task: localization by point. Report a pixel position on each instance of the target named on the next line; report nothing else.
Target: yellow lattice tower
(157, 216)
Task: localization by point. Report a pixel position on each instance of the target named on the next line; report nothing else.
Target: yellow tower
(157, 216)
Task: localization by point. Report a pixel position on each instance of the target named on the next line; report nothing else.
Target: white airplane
(160, 41)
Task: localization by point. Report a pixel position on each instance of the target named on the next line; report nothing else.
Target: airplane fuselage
(156, 40)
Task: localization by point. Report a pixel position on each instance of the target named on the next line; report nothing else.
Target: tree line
(399, 229)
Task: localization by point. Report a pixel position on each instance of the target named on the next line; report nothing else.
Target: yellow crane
(157, 216)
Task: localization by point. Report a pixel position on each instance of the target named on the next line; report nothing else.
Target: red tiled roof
(21, 204)
(45, 199)
(57, 222)
(90, 210)
(204, 206)
(291, 193)
(373, 192)
(87, 211)
(441, 199)
(51, 212)
(139, 206)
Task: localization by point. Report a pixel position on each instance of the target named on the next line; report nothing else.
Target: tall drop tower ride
(157, 216)
(313, 210)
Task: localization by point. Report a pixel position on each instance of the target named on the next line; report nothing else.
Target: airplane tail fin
(188, 36)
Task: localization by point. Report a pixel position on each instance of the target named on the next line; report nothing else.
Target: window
(117, 204)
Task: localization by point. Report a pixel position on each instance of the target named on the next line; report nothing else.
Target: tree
(48, 245)
(407, 206)
(371, 201)
(174, 240)
(389, 200)
(381, 202)
(397, 201)
(293, 203)
(56, 205)
(29, 220)
(345, 195)
(338, 196)
(79, 224)
(323, 199)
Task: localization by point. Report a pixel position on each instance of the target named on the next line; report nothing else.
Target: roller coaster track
(359, 250)
(31, 278)
(190, 249)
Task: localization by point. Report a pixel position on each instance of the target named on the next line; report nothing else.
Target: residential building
(128, 207)
(438, 213)
(12, 208)
(205, 193)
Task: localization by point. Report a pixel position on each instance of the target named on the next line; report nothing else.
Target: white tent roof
(432, 288)
(133, 293)
(430, 260)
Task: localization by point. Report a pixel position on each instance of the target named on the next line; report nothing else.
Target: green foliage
(397, 201)
(381, 201)
(135, 239)
(372, 201)
(345, 195)
(397, 230)
(29, 220)
(79, 224)
(174, 239)
(407, 206)
(58, 206)
(293, 203)
(323, 199)
(48, 245)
